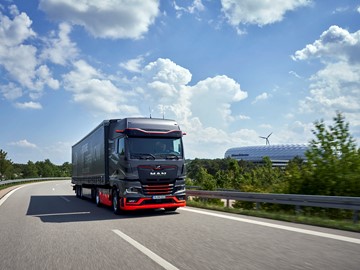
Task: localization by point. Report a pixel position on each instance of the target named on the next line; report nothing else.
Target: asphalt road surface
(44, 226)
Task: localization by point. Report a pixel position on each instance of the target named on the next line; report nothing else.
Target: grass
(347, 225)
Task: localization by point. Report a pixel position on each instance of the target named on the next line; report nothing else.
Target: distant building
(278, 154)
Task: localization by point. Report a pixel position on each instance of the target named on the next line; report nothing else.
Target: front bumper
(150, 203)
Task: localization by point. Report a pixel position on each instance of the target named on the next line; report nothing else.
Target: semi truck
(131, 164)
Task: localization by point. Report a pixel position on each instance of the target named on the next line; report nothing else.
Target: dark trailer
(131, 163)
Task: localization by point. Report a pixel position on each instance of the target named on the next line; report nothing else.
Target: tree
(333, 161)
(47, 169)
(294, 176)
(6, 166)
(30, 170)
(66, 169)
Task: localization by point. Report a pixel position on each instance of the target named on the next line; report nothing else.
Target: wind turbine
(266, 138)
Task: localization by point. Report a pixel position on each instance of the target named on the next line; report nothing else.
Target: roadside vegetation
(10, 170)
(332, 169)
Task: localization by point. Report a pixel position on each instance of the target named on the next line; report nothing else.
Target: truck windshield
(155, 148)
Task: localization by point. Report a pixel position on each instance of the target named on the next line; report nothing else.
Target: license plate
(157, 197)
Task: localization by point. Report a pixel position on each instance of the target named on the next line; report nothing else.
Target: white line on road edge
(3, 199)
(146, 251)
(282, 227)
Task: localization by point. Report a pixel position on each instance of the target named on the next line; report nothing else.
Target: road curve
(44, 226)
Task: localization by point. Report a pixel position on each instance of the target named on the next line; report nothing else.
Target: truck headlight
(132, 190)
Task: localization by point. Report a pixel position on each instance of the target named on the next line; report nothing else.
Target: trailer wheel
(97, 197)
(115, 202)
(78, 191)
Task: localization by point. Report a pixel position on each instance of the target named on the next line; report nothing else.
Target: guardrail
(9, 182)
(338, 202)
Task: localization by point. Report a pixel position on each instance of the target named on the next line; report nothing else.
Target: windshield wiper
(144, 155)
(172, 156)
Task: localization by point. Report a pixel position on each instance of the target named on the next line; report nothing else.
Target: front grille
(156, 189)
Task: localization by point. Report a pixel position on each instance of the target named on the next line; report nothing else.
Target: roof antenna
(150, 111)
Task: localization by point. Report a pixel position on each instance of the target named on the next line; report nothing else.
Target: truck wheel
(78, 191)
(115, 202)
(172, 209)
(97, 197)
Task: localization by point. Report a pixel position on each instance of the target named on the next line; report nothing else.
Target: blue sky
(228, 71)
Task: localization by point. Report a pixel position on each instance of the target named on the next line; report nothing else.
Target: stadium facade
(278, 154)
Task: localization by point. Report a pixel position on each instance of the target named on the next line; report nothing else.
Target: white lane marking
(3, 199)
(146, 251)
(65, 199)
(282, 227)
(61, 214)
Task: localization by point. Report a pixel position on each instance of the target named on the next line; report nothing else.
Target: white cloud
(211, 100)
(163, 82)
(11, 91)
(203, 110)
(259, 12)
(340, 10)
(60, 49)
(133, 65)
(243, 117)
(293, 73)
(262, 96)
(196, 6)
(91, 88)
(335, 87)
(28, 105)
(20, 60)
(105, 19)
(23, 143)
(16, 31)
(336, 43)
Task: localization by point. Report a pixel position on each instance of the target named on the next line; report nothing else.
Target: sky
(227, 71)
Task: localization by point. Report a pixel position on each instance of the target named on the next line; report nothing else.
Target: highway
(44, 226)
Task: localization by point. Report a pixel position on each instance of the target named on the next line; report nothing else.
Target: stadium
(278, 154)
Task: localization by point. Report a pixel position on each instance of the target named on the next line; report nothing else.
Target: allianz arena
(278, 154)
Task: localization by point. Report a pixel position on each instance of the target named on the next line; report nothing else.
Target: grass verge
(346, 225)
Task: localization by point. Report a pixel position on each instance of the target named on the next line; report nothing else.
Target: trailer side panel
(89, 158)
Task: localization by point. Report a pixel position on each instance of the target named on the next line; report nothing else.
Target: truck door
(117, 159)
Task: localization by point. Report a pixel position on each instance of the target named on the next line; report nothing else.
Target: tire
(81, 193)
(115, 202)
(97, 198)
(78, 191)
(171, 209)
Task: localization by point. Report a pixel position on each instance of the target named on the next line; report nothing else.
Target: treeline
(332, 168)
(10, 170)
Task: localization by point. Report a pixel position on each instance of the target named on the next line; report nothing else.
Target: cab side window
(121, 146)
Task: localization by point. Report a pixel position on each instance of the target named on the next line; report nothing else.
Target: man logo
(158, 173)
